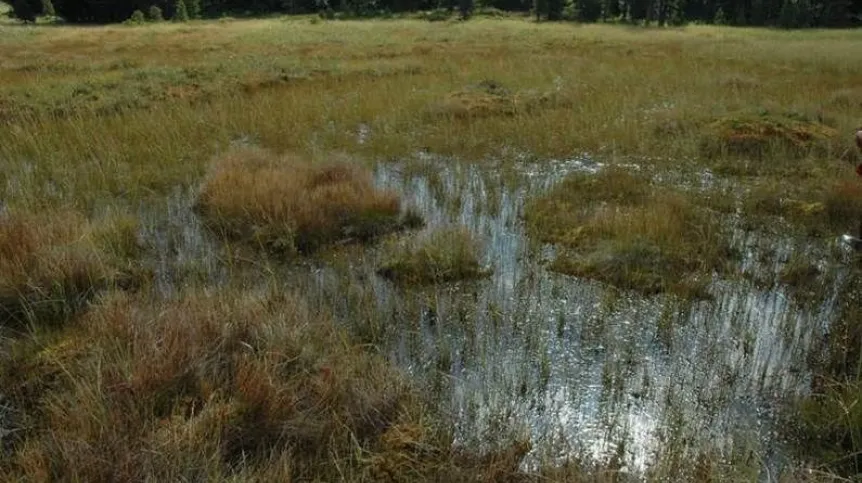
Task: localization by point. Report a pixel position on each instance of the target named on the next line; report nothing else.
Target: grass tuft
(765, 135)
(50, 265)
(445, 255)
(195, 388)
(225, 386)
(617, 228)
(290, 205)
(490, 98)
(827, 209)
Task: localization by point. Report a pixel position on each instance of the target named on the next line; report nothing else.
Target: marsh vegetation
(398, 250)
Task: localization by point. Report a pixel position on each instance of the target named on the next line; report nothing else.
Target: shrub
(155, 14)
(193, 7)
(181, 14)
(436, 15)
(137, 18)
(48, 8)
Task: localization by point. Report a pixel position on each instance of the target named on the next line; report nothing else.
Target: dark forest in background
(777, 13)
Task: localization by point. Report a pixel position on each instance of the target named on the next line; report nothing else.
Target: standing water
(584, 371)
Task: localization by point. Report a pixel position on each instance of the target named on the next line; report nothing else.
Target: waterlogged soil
(581, 369)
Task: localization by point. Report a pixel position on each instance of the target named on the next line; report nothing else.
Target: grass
(816, 210)
(108, 119)
(445, 255)
(618, 228)
(206, 387)
(51, 264)
(292, 206)
(829, 421)
(221, 386)
(767, 135)
(185, 91)
(489, 98)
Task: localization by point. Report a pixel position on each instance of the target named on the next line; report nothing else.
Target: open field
(397, 250)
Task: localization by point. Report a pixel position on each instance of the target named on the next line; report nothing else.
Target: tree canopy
(778, 13)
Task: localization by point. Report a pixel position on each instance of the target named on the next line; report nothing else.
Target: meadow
(400, 250)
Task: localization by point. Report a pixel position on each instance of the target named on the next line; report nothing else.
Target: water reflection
(583, 370)
(610, 377)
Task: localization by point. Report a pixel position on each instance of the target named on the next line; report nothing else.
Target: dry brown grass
(224, 386)
(50, 264)
(290, 205)
(200, 387)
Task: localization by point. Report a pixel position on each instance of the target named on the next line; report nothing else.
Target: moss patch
(490, 98)
(827, 209)
(763, 134)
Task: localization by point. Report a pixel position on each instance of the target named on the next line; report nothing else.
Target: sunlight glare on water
(586, 372)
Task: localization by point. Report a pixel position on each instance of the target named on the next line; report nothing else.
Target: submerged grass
(618, 228)
(290, 205)
(232, 386)
(445, 255)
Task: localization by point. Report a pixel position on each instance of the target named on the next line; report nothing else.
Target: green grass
(184, 91)
(107, 119)
(618, 228)
(447, 254)
(767, 136)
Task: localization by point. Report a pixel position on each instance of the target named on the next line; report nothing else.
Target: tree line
(775, 13)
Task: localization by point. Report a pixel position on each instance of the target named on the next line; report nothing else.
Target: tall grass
(51, 264)
(235, 386)
(203, 387)
(292, 206)
(224, 386)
